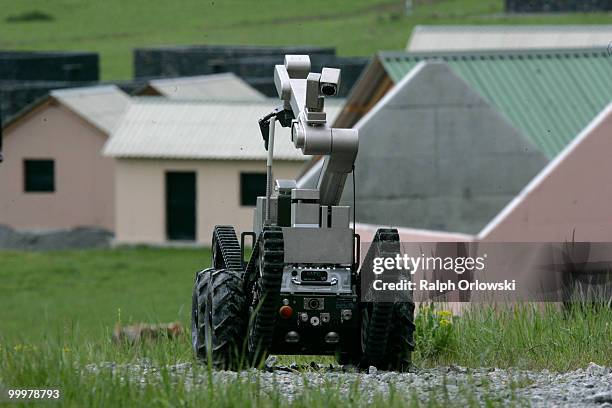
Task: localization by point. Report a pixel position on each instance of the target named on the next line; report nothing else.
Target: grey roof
(222, 87)
(480, 37)
(171, 129)
(102, 106)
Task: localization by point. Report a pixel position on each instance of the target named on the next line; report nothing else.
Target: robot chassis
(299, 292)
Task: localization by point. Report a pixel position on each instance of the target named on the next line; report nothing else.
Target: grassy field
(58, 309)
(88, 291)
(355, 27)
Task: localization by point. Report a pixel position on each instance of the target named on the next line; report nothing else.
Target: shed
(220, 87)
(182, 167)
(507, 37)
(53, 175)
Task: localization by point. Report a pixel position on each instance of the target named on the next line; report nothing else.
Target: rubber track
(401, 338)
(272, 262)
(250, 272)
(376, 335)
(229, 247)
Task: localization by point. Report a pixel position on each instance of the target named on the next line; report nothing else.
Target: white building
(182, 167)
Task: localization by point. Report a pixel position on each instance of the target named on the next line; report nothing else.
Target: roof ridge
(160, 100)
(512, 27)
(191, 78)
(89, 90)
(593, 51)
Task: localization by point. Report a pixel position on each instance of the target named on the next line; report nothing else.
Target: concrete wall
(433, 154)
(83, 178)
(568, 201)
(141, 200)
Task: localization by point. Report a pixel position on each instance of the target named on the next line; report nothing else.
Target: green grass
(56, 366)
(41, 292)
(519, 336)
(58, 309)
(355, 27)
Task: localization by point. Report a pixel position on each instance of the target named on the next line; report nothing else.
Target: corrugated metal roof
(221, 87)
(166, 129)
(496, 37)
(102, 106)
(550, 95)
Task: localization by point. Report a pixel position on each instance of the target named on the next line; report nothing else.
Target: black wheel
(219, 321)
(265, 293)
(198, 311)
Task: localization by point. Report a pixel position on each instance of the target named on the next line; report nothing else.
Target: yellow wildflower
(445, 314)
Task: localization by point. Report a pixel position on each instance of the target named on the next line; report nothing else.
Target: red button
(285, 312)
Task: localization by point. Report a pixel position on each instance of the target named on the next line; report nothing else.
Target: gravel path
(589, 387)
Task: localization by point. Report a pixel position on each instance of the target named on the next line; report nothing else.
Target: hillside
(356, 27)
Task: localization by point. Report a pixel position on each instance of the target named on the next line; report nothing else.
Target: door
(181, 206)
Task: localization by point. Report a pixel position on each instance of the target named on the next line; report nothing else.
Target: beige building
(54, 175)
(183, 167)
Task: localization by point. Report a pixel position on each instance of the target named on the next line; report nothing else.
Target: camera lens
(328, 90)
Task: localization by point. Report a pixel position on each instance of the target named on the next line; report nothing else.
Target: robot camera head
(329, 81)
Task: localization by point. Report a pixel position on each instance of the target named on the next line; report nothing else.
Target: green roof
(551, 95)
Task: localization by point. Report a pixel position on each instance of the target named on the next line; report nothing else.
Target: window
(39, 176)
(252, 185)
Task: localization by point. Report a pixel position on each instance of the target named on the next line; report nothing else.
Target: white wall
(140, 196)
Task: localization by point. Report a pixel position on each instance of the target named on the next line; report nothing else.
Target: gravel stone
(590, 387)
(593, 368)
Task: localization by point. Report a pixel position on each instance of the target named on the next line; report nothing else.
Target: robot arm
(303, 93)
